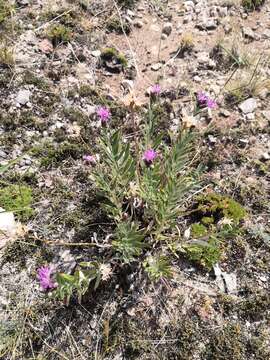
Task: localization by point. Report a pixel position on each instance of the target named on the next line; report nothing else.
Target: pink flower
(89, 159)
(149, 156)
(44, 277)
(211, 104)
(155, 89)
(205, 101)
(104, 114)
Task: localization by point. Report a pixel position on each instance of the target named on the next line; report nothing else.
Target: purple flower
(211, 104)
(104, 114)
(155, 89)
(205, 101)
(149, 156)
(89, 159)
(44, 277)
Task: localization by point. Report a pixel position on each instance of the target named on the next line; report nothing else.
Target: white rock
(96, 53)
(8, 227)
(23, 97)
(248, 106)
(156, 67)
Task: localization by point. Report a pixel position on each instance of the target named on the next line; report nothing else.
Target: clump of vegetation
(59, 34)
(206, 253)
(115, 25)
(231, 55)
(186, 44)
(250, 82)
(17, 198)
(252, 4)
(113, 60)
(208, 235)
(6, 10)
(52, 155)
(79, 282)
(227, 343)
(215, 206)
(6, 56)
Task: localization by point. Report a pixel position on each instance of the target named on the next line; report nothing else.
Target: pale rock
(156, 67)
(248, 106)
(23, 97)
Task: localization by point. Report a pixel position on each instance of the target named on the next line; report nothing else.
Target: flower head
(44, 277)
(205, 101)
(155, 89)
(89, 159)
(104, 114)
(149, 156)
(211, 103)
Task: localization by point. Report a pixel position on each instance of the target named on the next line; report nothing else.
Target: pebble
(248, 33)
(248, 106)
(138, 24)
(3, 155)
(167, 28)
(23, 97)
(156, 67)
(96, 53)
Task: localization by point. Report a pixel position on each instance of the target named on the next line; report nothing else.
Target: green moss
(220, 206)
(226, 344)
(111, 54)
(17, 198)
(205, 253)
(198, 230)
(59, 34)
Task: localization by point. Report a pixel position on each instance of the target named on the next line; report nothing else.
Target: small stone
(164, 36)
(248, 106)
(3, 155)
(266, 34)
(212, 139)
(211, 24)
(248, 33)
(225, 113)
(265, 156)
(23, 97)
(127, 84)
(250, 116)
(223, 11)
(167, 28)
(197, 79)
(138, 24)
(227, 28)
(130, 13)
(156, 67)
(96, 53)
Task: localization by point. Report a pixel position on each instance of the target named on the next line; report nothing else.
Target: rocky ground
(54, 72)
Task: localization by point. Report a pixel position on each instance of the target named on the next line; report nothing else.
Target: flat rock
(248, 106)
(23, 97)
